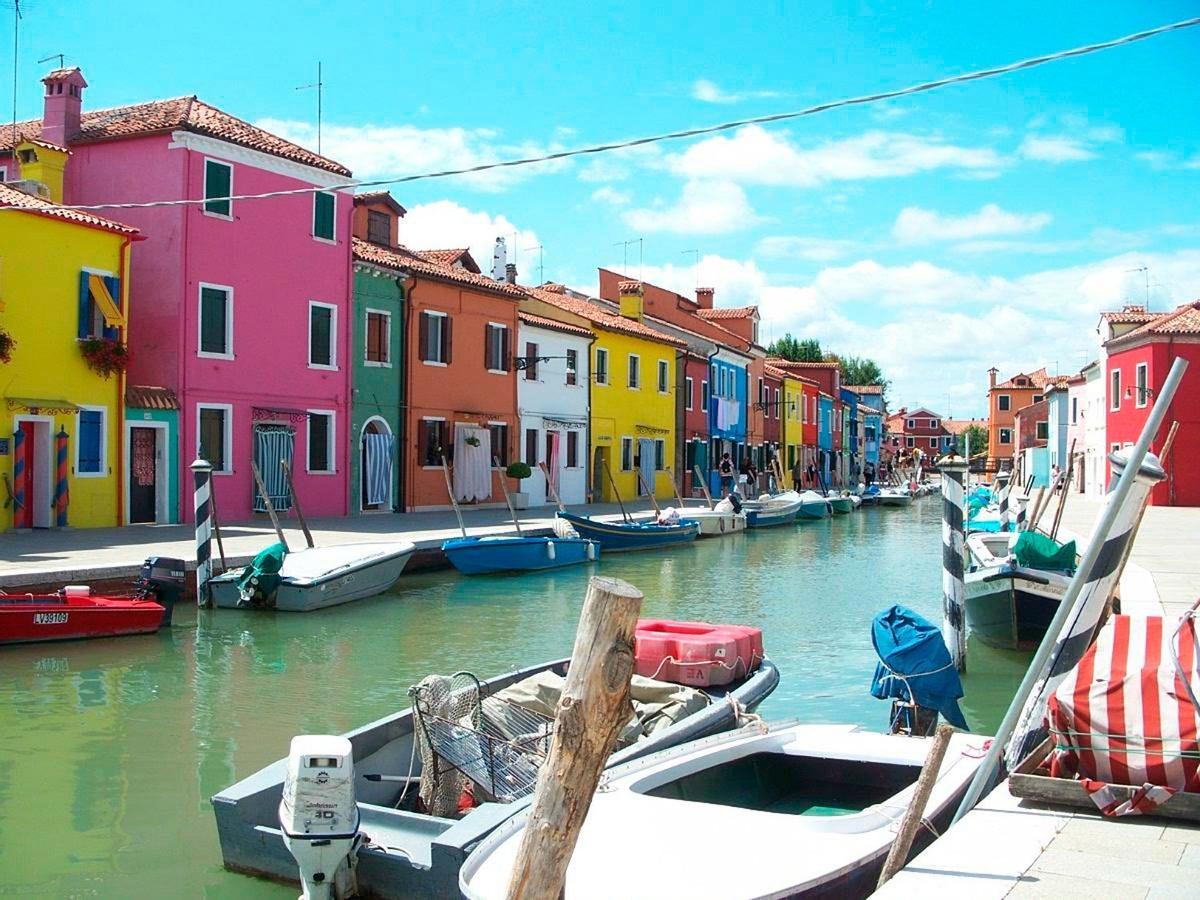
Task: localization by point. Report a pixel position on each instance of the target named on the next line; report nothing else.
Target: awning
(108, 307)
(41, 407)
(148, 396)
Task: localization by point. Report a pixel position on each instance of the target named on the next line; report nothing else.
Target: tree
(796, 350)
(858, 370)
(979, 440)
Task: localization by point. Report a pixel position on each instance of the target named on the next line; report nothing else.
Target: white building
(553, 379)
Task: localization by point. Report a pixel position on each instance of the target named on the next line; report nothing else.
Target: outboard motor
(319, 815)
(163, 580)
(736, 501)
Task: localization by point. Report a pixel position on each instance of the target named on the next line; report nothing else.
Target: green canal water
(110, 750)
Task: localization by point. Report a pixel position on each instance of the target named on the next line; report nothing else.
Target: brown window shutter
(423, 337)
(447, 339)
(488, 362)
(505, 349)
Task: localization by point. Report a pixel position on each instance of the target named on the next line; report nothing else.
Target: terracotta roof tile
(1130, 315)
(552, 324)
(380, 197)
(1038, 379)
(865, 388)
(11, 197)
(1183, 319)
(451, 257)
(775, 372)
(140, 396)
(416, 262)
(186, 113)
(597, 315)
(728, 312)
(795, 364)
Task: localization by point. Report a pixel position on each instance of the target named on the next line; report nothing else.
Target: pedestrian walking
(725, 470)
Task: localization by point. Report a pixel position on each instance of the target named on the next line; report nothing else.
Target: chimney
(632, 300)
(510, 273)
(992, 373)
(42, 166)
(62, 106)
(704, 297)
(499, 260)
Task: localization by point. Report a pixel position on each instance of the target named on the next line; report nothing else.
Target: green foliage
(789, 347)
(860, 370)
(518, 470)
(979, 440)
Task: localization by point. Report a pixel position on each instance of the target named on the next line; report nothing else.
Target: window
(1043, 431)
(1003, 402)
(432, 441)
(626, 454)
(434, 338)
(910, 424)
(687, 393)
(320, 441)
(218, 188)
(1005, 436)
(322, 336)
(499, 432)
(1074, 410)
(704, 396)
(660, 454)
(572, 449)
(1140, 384)
(761, 397)
(495, 348)
(531, 442)
(933, 423)
(601, 366)
(531, 361)
(91, 442)
(379, 338)
(97, 293)
(214, 427)
(1114, 389)
(216, 321)
(910, 442)
(379, 227)
(1037, 398)
(664, 377)
(572, 367)
(933, 443)
(324, 205)
(635, 375)
(776, 403)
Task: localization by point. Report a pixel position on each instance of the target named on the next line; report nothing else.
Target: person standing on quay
(725, 469)
(797, 477)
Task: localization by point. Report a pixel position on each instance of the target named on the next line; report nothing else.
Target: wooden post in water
(704, 487)
(675, 487)
(649, 491)
(287, 471)
(916, 808)
(512, 510)
(1064, 489)
(262, 489)
(453, 499)
(593, 708)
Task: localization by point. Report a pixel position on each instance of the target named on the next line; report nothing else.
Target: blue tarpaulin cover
(910, 645)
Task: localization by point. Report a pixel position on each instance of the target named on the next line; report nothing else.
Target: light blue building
(851, 459)
(727, 413)
(825, 426)
(1057, 421)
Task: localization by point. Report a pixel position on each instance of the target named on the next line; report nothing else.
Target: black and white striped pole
(1079, 612)
(1003, 485)
(202, 495)
(954, 622)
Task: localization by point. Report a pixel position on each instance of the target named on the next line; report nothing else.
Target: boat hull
(487, 555)
(814, 510)
(32, 620)
(841, 505)
(620, 537)
(1009, 607)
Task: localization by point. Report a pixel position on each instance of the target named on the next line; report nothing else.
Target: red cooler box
(696, 653)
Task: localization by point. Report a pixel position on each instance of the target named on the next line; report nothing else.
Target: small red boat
(75, 612)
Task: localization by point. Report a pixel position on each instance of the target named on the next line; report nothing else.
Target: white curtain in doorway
(378, 467)
(472, 463)
(554, 460)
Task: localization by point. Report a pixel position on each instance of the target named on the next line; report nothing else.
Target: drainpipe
(406, 319)
(405, 285)
(123, 266)
(591, 466)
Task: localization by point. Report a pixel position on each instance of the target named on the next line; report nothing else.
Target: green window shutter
(320, 350)
(218, 179)
(318, 443)
(323, 206)
(214, 312)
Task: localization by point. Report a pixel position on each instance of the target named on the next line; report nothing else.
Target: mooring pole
(1004, 484)
(954, 625)
(915, 814)
(202, 497)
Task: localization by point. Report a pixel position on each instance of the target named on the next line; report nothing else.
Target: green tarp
(259, 580)
(1036, 551)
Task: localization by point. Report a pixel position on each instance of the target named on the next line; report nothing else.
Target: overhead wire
(613, 146)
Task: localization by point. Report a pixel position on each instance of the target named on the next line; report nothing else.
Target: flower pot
(520, 500)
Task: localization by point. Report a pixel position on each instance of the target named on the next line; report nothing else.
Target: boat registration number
(49, 618)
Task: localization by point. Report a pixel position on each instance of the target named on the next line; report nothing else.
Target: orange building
(1004, 399)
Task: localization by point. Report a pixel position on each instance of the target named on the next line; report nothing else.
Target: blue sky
(978, 225)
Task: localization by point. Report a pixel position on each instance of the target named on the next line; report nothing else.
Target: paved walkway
(58, 557)
(1007, 847)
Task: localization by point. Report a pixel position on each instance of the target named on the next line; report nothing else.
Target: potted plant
(103, 356)
(7, 344)
(519, 470)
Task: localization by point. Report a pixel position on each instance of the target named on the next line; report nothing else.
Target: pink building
(239, 308)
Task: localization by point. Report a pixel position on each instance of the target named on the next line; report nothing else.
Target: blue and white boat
(620, 536)
(769, 511)
(815, 506)
(506, 553)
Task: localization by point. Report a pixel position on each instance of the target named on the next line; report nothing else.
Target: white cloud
(1165, 159)
(709, 92)
(915, 225)
(703, 207)
(375, 151)
(611, 196)
(815, 249)
(445, 224)
(1055, 149)
(753, 155)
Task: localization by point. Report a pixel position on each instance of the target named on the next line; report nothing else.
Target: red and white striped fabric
(1123, 715)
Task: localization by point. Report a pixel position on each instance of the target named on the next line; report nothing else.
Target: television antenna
(541, 268)
(625, 245)
(1145, 270)
(16, 8)
(62, 60)
(319, 86)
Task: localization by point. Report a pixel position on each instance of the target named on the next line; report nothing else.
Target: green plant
(471, 441)
(518, 470)
(7, 345)
(105, 357)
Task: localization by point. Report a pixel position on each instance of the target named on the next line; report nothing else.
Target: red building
(772, 416)
(1032, 427)
(1137, 365)
(910, 430)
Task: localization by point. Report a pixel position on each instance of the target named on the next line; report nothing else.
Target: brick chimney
(632, 300)
(510, 273)
(704, 297)
(63, 106)
(992, 373)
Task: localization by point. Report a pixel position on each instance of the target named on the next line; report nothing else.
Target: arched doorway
(377, 460)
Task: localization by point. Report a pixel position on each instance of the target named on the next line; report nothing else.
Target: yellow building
(63, 290)
(634, 374)
(792, 438)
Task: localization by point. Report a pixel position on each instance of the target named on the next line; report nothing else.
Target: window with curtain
(572, 367)
(495, 347)
(435, 337)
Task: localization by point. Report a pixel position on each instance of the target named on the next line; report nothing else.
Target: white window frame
(1114, 378)
(660, 444)
(204, 205)
(688, 387)
(1008, 400)
(664, 376)
(567, 353)
(330, 439)
(387, 337)
(508, 436)
(627, 441)
(433, 362)
(1000, 436)
(103, 410)
(228, 354)
(602, 369)
(315, 236)
(911, 424)
(421, 450)
(933, 442)
(226, 437)
(705, 396)
(776, 407)
(629, 367)
(910, 441)
(333, 336)
(1141, 384)
(933, 423)
(503, 327)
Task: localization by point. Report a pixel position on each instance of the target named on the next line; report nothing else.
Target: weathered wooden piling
(202, 498)
(593, 707)
(915, 814)
(954, 625)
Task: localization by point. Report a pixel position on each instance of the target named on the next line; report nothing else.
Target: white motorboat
(772, 509)
(319, 577)
(895, 496)
(815, 506)
(801, 810)
(1010, 605)
(713, 522)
